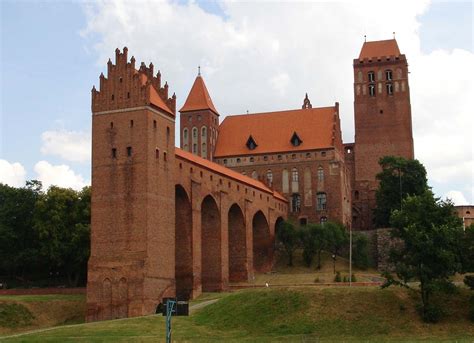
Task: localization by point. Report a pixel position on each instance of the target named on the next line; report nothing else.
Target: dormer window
(295, 140)
(251, 144)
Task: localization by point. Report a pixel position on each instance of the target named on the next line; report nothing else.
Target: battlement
(380, 60)
(126, 87)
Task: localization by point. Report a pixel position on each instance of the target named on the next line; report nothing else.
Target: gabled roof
(198, 98)
(379, 48)
(217, 168)
(274, 130)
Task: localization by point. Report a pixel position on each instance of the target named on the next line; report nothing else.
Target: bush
(361, 251)
(337, 278)
(469, 281)
(316, 280)
(431, 313)
(353, 278)
(345, 279)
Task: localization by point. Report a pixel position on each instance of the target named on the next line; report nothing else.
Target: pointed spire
(306, 102)
(199, 70)
(198, 98)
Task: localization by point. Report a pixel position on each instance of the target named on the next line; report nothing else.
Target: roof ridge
(272, 112)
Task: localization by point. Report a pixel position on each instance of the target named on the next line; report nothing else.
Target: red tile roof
(198, 98)
(155, 98)
(217, 168)
(379, 48)
(272, 131)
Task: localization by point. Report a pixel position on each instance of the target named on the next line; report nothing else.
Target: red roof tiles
(198, 98)
(273, 131)
(379, 48)
(226, 172)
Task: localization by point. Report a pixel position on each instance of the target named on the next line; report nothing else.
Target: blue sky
(50, 60)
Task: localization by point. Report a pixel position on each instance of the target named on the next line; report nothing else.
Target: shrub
(469, 281)
(430, 313)
(337, 278)
(471, 308)
(353, 278)
(360, 256)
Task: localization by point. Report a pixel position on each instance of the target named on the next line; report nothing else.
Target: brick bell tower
(382, 115)
(132, 265)
(199, 121)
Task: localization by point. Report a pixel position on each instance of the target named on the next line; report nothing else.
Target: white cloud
(71, 146)
(266, 56)
(456, 197)
(58, 175)
(12, 174)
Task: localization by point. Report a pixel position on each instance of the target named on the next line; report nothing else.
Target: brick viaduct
(164, 222)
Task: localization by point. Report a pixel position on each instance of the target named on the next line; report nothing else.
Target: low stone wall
(42, 291)
(380, 244)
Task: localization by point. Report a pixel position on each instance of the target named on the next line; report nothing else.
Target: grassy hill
(365, 314)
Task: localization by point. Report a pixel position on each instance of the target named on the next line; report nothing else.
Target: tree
(431, 234)
(398, 179)
(288, 236)
(360, 254)
(308, 242)
(62, 221)
(337, 238)
(18, 240)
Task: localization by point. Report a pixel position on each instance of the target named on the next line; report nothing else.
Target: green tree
(308, 242)
(288, 236)
(336, 239)
(360, 253)
(398, 179)
(62, 220)
(431, 234)
(18, 240)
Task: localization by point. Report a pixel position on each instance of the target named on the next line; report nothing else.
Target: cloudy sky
(253, 56)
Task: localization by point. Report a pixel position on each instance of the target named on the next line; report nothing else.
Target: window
(164, 156)
(154, 124)
(254, 175)
(356, 195)
(269, 176)
(323, 153)
(251, 144)
(265, 158)
(114, 152)
(157, 153)
(388, 75)
(295, 202)
(294, 175)
(185, 135)
(308, 155)
(251, 159)
(279, 157)
(113, 97)
(111, 124)
(120, 79)
(199, 117)
(128, 95)
(323, 219)
(167, 135)
(295, 140)
(389, 89)
(320, 174)
(203, 131)
(371, 76)
(238, 160)
(203, 150)
(225, 161)
(129, 151)
(321, 201)
(131, 123)
(293, 156)
(190, 118)
(195, 149)
(372, 90)
(195, 132)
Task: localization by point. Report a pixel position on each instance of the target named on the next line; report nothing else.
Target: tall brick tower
(199, 121)
(132, 254)
(382, 115)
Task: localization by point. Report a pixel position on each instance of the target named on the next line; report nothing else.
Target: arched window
(254, 175)
(185, 135)
(203, 131)
(321, 201)
(371, 76)
(294, 175)
(356, 195)
(195, 140)
(295, 202)
(195, 148)
(388, 75)
(203, 150)
(269, 176)
(195, 132)
(389, 89)
(320, 174)
(372, 90)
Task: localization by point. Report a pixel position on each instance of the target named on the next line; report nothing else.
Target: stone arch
(262, 243)
(237, 245)
(122, 310)
(183, 244)
(211, 258)
(107, 299)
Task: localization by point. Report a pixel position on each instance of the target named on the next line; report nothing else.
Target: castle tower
(132, 265)
(199, 121)
(382, 115)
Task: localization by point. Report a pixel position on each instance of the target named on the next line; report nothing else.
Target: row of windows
(279, 157)
(129, 151)
(386, 75)
(294, 175)
(113, 96)
(199, 118)
(321, 202)
(390, 88)
(155, 126)
(304, 220)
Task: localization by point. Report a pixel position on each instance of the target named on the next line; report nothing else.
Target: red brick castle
(176, 222)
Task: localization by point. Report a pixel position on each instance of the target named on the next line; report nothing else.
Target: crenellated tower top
(126, 87)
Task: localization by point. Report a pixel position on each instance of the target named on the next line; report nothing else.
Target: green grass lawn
(287, 314)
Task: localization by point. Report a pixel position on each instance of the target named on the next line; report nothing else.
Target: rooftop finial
(199, 70)
(306, 102)
(365, 38)
(393, 34)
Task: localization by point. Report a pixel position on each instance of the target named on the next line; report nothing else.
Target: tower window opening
(372, 90)
(111, 124)
(295, 203)
(388, 75)
(164, 156)
(371, 76)
(167, 135)
(389, 89)
(252, 159)
(114, 152)
(157, 153)
(131, 123)
(154, 124)
(238, 160)
(321, 201)
(128, 95)
(225, 161)
(113, 97)
(120, 80)
(129, 151)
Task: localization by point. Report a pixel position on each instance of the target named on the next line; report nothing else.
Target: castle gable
(381, 48)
